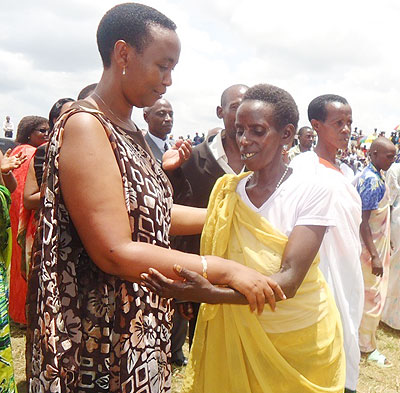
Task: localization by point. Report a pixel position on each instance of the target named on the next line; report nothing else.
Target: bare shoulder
(83, 137)
(82, 125)
(85, 152)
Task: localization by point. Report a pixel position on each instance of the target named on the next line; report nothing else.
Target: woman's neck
(263, 183)
(109, 98)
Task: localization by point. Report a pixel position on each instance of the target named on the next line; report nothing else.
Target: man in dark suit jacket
(160, 119)
(217, 155)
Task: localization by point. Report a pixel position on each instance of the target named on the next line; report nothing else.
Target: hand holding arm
(96, 203)
(196, 288)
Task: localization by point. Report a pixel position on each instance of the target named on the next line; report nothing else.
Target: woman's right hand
(256, 287)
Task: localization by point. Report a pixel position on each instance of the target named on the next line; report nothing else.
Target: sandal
(379, 359)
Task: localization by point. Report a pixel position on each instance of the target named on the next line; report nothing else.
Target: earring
(285, 147)
(123, 71)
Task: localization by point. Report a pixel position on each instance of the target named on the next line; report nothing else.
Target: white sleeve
(392, 182)
(316, 205)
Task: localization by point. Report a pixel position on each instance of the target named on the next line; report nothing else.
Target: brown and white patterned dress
(90, 331)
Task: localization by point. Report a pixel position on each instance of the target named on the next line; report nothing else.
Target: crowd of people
(275, 250)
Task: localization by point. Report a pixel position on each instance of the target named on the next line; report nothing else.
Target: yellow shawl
(297, 348)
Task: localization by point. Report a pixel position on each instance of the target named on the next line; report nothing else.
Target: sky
(311, 47)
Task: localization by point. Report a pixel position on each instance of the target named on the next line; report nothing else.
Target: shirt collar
(217, 147)
(371, 166)
(158, 141)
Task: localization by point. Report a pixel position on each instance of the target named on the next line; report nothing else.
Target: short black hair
(87, 91)
(304, 129)
(56, 109)
(128, 22)
(27, 126)
(285, 108)
(226, 92)
(317, 107)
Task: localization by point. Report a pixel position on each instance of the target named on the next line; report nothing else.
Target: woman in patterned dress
(105, 219)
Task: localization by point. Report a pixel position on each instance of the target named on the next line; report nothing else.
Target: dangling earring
(123, 71)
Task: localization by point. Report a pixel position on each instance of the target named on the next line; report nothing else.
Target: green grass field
(372, 379)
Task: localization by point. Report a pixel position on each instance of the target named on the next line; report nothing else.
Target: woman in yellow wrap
(273, 220)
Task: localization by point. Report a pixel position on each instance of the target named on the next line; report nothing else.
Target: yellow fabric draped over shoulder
(298, 348)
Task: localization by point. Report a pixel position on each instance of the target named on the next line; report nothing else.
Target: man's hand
(177, 155)
(10, 163)
(186, 310)
(377, 267)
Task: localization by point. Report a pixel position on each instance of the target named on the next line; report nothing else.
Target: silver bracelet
(204, 263)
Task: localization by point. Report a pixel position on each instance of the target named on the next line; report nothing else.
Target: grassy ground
(378, 380)
(372, 378)
(18, 350)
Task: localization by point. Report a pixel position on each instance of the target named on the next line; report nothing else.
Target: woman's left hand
(194, 287)
(10, 163)
(177, 155)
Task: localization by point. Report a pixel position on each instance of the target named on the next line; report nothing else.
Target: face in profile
(385, 156)
(231, 103)
(259, 141)
(148, 73)
(336, 129)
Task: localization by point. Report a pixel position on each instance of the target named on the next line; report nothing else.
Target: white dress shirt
(217, 149)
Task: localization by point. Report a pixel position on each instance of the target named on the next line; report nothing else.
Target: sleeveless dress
(89, 331)
(18, 213)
